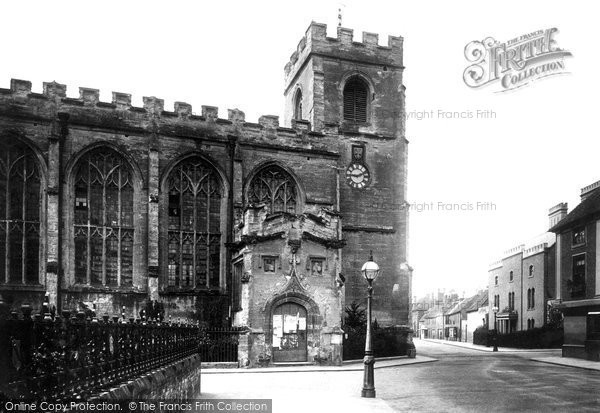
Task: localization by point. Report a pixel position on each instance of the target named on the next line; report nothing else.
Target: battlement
(536, 249)
(343, 46)
(587, 190)
(21, 90)
(563, 206)
(495, 265)
(513, 251)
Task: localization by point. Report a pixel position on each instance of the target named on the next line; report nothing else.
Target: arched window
(274, 187)
(298, 105)
(19, 214)
(356, 93)
(103, 219)
(194, 221)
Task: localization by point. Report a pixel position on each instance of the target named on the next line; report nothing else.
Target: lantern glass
(370, 270)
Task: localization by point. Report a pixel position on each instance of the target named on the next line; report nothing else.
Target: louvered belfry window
(193, 258)
(275, 188)
(103, 220)
(19, 214)
(355, 100)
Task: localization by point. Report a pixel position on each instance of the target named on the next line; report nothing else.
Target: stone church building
(263, 225)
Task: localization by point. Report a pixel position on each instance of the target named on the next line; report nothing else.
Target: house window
(511, 301)
(579, 236)
(269, 264)
(194, 225)
(298, 105)
(275, 188)
(103, 219)
(577, 283)
(356, 94)
(531, 270)
(497, 301)
(496, 280)
(20, 203)
(510, 276)
(530, 298)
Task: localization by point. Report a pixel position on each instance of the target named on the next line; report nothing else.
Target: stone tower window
(356, 93)
(298, 105)
(275, 188)
(103, 219)
(19, 214)
(194, 225)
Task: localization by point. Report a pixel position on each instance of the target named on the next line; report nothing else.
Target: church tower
(352, 91)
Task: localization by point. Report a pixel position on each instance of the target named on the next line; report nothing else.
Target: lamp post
(370, 270)
(495, 310)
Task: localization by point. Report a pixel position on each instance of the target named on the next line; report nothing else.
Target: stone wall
(175, 382)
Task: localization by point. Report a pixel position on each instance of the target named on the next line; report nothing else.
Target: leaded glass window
(103, 219)
(19, 214)
(275, 188)
(194, 222)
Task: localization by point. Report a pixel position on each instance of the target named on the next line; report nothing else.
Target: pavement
(553, 354)
(569, 362)
(463, 378)
(491, 349)
(354, 365)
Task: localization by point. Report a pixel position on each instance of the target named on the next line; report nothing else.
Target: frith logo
(514, 63)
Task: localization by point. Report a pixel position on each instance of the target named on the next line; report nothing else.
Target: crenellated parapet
(182, 121)
(495, 265)
(535, 249)
(513, 251)
(315, 41)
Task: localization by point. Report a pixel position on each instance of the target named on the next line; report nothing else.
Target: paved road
(463, 380)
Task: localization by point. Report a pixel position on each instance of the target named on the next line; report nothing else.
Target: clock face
(357, 175)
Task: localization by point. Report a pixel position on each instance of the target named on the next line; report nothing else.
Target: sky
(537, 147)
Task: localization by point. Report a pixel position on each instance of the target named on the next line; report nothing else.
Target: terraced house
(263, 225)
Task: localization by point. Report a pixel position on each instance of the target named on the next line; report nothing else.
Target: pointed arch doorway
(289, 333)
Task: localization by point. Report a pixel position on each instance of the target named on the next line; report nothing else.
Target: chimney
(557, 213)
(587, 190)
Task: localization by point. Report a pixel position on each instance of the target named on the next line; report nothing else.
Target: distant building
(431, 324)
(578, 274)
(456, 318)
(477, 316)
(520, 283)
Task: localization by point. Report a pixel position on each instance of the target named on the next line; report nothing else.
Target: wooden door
(289, 333)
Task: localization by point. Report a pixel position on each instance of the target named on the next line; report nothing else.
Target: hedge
(543, 337)
(387, 341)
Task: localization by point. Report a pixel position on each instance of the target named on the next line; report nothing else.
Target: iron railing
(73, 356)
(220, 344)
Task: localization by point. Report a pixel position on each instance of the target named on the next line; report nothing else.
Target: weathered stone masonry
(223, 220)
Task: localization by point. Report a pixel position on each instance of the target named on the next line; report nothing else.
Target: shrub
(481, 336)
(386, 341)
(543, 337)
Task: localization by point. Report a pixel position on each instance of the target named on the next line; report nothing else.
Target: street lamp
(370, 270)
(495, 310)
